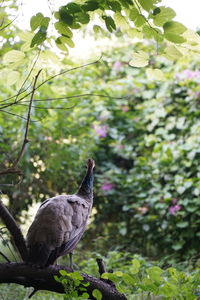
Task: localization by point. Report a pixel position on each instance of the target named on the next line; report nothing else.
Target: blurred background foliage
(144, 137)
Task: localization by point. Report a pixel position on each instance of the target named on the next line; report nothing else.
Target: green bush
(138, 278)
(144, 136)
(148, 172)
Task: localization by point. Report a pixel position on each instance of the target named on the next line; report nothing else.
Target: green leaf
(62, 28)
(121, 21)
(162, 15)
(115, 6)
(73, 7)
(13, 77)
(83, 18)
(75, 25)
(149, 32)
(110, 23)
(126, 3)
(134, 13)
(154, 273)
(36, 21)
(45, 22)
(169, 290)
(118, 273)
(155, 74)
(13, 56)
(180, 189)
(38, 39)
(26, 36)
(174, 38)
(172, 53)
(134, 269)
(97, 29)
(85, 296)
(174, 28)
(63, 273)
(76, 275)
(140, 59)
(66, 40)
(146, 4)
(61, 45)
(139, 21)
(177, 246)
(134, 33)
(90, 6)
(97, 294)
(182, 224)
(65, 16)
(128, 279)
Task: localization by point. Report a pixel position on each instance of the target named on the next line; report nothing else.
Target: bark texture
(43, 278)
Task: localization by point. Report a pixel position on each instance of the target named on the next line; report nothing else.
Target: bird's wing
(59, 225)
(81, 211)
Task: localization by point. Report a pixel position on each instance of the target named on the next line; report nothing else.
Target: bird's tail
(39, 254)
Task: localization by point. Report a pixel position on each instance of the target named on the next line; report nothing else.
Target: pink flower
(101, 131)
(189, 74)
(125, 108)
(174, 201)
(120, 147)
(173, 209)
(117, 66)
(107, 186)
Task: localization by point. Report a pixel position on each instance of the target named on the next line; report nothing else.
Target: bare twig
(48, 79)
(13, 169)
(77, 96)
(54, 76)
(25, 141)
(12, 114)
(5, 257)
(27, 77)
(8, 246)
(8, 24)
(12, 103)
(41, 107)
(14, 231)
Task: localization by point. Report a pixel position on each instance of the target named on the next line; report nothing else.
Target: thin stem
(25, 141)
(8, 24)
(27, 77)
(5, 257)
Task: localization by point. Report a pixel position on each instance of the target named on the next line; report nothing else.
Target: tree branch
(25, 141)
(45, 81)
(14, 230)
(43, 279)
(13, 168)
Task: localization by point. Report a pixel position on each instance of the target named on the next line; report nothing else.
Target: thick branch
(14, 230)
(43, 279)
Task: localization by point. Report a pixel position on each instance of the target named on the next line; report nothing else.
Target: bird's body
(60, 223)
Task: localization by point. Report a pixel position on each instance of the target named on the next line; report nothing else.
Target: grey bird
(60, 223)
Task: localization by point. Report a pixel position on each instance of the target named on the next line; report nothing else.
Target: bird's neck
(86, 188)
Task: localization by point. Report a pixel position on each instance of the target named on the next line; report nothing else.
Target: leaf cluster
(132, 18)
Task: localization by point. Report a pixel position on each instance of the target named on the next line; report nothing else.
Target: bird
(60, 223)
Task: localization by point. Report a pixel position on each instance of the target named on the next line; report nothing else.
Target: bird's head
(90, 164)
